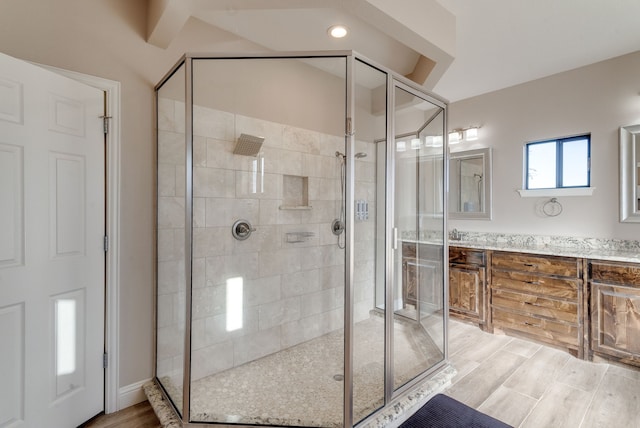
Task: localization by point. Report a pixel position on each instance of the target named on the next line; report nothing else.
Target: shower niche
(294, 324)
(295, 193)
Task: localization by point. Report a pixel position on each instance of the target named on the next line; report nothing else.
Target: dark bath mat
(445, 412)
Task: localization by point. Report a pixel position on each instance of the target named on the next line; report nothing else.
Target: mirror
(470, 184)
(629, 173)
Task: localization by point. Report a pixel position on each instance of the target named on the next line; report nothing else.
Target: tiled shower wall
(291, 291)
(170, 248)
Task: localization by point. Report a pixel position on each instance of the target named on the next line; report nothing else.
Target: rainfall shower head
(248, 145)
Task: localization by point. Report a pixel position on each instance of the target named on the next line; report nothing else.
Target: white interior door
(52, 208)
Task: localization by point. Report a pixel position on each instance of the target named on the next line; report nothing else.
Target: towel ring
(552, 208)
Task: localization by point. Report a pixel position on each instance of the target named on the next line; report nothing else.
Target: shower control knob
(337, 227)
(242, 229)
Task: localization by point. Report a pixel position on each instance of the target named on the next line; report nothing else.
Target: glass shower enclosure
(300, 239)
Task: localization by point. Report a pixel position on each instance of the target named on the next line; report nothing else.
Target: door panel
(52, 206)
(418, 220)
(12, 364)
(11, 209)
(67, 358)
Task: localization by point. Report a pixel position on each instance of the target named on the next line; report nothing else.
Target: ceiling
(411, 37)
(476, 46)
(501, 43)
(306, 30)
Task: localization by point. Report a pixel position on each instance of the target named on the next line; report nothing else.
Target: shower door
(398, 240)
(416, 169)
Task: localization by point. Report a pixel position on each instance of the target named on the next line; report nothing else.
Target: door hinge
(105, 123)
(106, 243)
(105, 360)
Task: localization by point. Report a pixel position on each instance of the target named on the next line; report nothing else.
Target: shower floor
(301, 385)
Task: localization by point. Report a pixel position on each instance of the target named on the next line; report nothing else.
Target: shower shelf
(295, 237)
(295, 207)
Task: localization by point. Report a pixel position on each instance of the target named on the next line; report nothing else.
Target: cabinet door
(423, 283)
(466, 291)
(615, 321)
(410, 282)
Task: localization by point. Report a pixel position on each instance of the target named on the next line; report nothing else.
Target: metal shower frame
(393, 80)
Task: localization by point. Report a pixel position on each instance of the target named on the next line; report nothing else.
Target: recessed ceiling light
(337, 31)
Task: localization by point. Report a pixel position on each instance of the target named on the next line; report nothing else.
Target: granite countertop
(566, 246)
(619, 255)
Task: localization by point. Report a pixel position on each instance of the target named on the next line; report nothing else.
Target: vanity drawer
(409, 249)
(413, 250)
(615, 273)
(547, 330)
(550, 265)
(466, 256)
(535, 284)
(529, 304)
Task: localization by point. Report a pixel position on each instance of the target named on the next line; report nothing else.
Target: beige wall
(105, 38)
(596, 99)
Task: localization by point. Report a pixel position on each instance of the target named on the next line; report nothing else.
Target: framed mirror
(470, 184)
(630, 173)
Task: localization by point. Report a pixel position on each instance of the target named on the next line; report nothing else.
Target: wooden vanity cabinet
(539, 297)
(615, 310)
(422, 275)
(467, 285)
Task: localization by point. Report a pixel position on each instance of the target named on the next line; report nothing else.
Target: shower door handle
(394, 239)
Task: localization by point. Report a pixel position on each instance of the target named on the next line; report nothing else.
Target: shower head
(248, 145)
(358, 155)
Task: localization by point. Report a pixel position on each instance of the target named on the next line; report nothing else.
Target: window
(559, 163)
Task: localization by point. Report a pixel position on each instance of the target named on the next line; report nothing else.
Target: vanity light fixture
(471, 134)
(415, 143)
(433, 141)
(455, 137)
(463, 134)
(401, 146)
(338, 31)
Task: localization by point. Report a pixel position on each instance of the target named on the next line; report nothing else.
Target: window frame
(559, 142)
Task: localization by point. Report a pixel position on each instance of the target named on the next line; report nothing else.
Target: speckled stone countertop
(568, 246)
(590, 248)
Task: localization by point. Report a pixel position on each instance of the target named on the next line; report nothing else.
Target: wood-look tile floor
(139, 416)
(529, 385)
(522, 383)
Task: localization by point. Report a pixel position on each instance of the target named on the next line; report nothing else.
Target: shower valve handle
(242, 229)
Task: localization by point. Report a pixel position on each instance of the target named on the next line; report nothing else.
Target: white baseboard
(132, 394)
